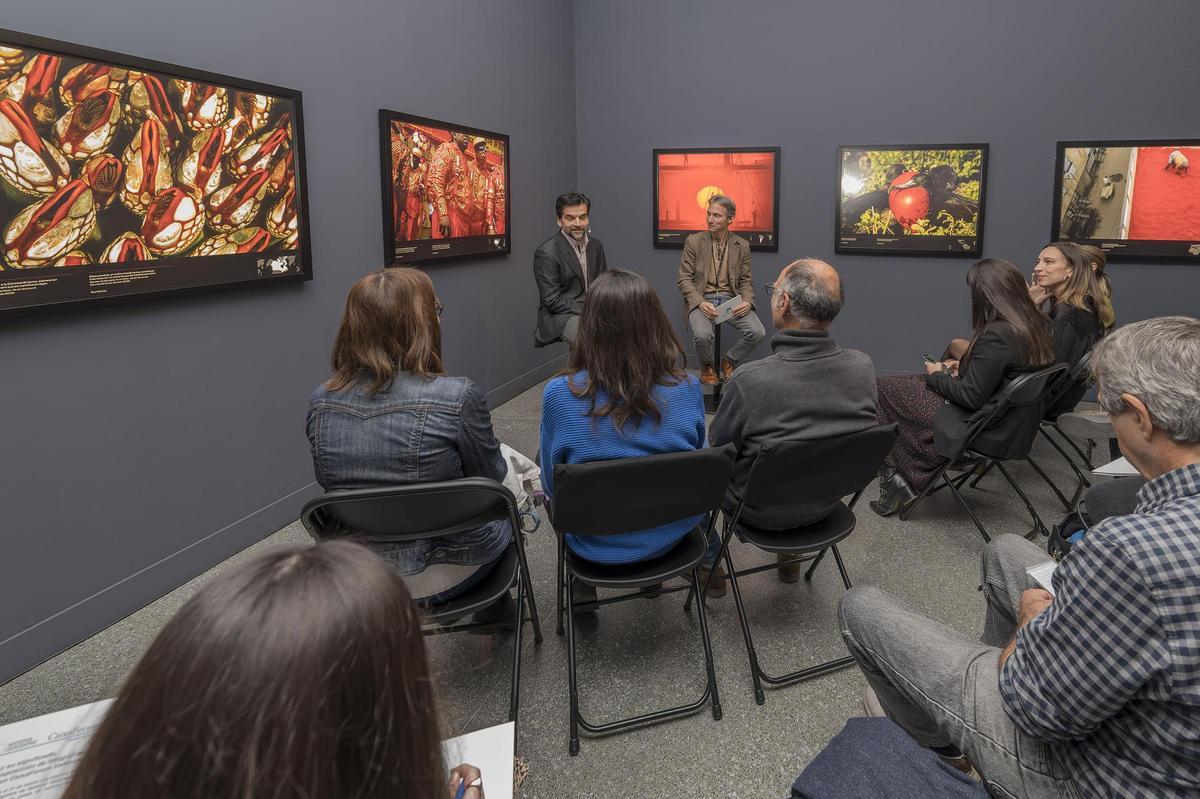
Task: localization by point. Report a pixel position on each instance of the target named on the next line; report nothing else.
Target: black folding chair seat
(489, 590)
(801, 540)
(677, 562)
(794, 475)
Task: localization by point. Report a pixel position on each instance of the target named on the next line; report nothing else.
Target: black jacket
(560, 283)
(1073, 331)
(994, 362)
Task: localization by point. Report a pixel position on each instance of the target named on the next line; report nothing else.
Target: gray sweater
(808, 388)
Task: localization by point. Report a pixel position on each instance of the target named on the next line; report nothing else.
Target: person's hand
(742, 309)
(444, 227)
(952, 365)
(1038, 294)
(468, 774)
(934, 366)
(708, 309)
(1033, 602)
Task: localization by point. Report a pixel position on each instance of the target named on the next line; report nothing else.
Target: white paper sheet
(489, 750)
(1118, 468)
(1042, 575)
(38, 755)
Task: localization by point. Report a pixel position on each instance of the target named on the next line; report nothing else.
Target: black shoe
(894, 492)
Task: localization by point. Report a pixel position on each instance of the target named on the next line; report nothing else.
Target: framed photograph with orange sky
(685, 180)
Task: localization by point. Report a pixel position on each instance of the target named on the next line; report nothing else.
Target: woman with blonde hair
(390, 415)
(1099, 260)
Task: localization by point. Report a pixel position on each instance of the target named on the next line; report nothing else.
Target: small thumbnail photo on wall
(911, 199)
(1134, 199)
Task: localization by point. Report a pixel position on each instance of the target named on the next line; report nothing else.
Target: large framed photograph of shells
(123, 178)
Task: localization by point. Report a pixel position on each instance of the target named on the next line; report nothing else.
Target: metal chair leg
(514, 699)
(759, 696)
(1081, 480)
(980, 475)
(1067, 504)
(962, 501)
(808, 574)
(708, 656)
(837, 556)
(1087, 458)
(572, 685)
(561, 582)
(941, 472)
(1038, 526)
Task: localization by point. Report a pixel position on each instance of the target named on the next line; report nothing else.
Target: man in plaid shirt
(1093, 690)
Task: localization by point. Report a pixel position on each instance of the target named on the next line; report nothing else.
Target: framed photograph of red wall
(446, 192)
(1135, 199)
(125, 178)
(686, 178)
(911, 199)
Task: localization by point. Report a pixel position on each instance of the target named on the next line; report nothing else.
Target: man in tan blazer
(716, 267)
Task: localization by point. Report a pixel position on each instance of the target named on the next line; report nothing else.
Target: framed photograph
(1135, 199)
(123, 178)
(445, 190)
(911, 199)
(685, 179)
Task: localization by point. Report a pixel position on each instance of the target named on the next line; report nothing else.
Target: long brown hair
(1081, 288)
(390, 325)
(999, 294)
(626, 346)
(1096, 256)
(299, 672)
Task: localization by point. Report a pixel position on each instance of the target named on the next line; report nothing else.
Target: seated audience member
(808, 388)
(1091, 690)
(1063, 281)
(1099, 261)
(1009, 336)
(714, 268)
(564, 267)
(624, 395)
(298, 672)
(391, 415)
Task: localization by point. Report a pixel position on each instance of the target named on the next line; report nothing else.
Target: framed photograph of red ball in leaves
(123, 178)
(911, 199)
(445, 190)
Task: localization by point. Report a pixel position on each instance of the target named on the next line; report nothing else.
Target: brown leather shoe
(727, 367)
(708, 376)
(719, 585)
(789, 568)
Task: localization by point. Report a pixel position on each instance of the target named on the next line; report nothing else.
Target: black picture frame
(762, 240)
(65, 288)
(427, 252)
(897, 243)
(1088, 219)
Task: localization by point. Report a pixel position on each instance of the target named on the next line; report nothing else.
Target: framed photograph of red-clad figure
(446, 191)
(124, 178)
(1134, 199)
(911, 199)
(685, 179)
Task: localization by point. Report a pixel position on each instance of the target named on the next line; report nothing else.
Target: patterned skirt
(905, 399)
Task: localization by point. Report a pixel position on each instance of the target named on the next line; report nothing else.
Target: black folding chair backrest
(631, 494)
(803, 472)
(406, 512)
(1024, 390)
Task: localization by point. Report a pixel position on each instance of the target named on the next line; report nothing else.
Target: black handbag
(1059, 543)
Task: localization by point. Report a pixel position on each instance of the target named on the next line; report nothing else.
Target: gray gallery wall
(1020, 74)
(141, 444)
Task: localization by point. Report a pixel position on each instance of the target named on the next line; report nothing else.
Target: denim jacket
(419, 430)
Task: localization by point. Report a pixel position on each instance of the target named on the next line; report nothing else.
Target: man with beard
(564, 265)
(448, 185)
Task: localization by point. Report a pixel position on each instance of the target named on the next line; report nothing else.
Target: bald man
(809, 387)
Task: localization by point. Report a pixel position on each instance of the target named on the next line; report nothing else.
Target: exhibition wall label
(122, 177)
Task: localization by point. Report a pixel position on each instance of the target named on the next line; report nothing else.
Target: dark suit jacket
(994, 362)
(697, 264)
(1073, 331)
(560, 283)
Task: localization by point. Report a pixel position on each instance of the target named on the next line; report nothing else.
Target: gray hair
(1157, 361)
(809, 297)
(725, 202)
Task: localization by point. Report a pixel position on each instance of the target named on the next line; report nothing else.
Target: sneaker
(719, 585)
(789, 568)
(708, 376)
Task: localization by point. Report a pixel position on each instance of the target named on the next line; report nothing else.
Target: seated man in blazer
(564, 265)
(715, 267)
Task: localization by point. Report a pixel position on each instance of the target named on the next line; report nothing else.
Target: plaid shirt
(1109, 674)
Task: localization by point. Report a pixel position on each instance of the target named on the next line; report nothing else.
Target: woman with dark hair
(390, 415)
(1008, 336)
(299, 672)
(624, 394)
(1064, 281)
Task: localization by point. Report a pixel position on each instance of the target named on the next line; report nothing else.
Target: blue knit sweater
(570, 436)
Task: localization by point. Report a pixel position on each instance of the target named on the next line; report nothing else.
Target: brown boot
(708, 376)
(789, 568)
(719, 586)
(727, 368)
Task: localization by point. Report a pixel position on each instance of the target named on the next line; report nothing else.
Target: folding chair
(623, 496)
(796, 474)
(1027, 389)
(425, 510)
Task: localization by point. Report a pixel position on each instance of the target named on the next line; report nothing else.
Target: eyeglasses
(770, 287)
